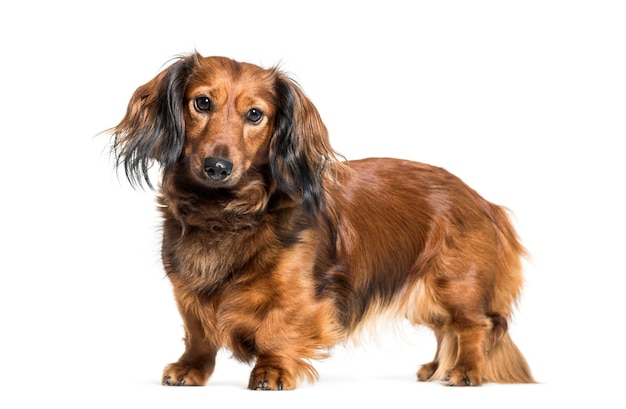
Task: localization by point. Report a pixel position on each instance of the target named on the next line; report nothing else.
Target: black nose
(217, 168)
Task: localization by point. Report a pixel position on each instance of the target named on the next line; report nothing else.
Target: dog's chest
(203, 255)
(204, 248)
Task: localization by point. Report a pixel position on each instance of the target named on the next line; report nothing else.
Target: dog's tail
(504, 361)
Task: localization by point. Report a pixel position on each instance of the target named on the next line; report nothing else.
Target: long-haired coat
(277, 250)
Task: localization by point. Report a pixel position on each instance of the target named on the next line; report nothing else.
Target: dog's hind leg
(471, 335)
(426, 371)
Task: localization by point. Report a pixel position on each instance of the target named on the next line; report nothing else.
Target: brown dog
(278, 251)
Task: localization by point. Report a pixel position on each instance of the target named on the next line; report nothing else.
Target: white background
(523, 100)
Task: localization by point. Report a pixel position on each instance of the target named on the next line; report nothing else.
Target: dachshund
(277, 248)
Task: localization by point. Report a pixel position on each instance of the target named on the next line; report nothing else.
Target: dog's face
(213, 120)
(229, 112)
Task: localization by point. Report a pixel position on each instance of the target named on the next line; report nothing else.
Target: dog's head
(215, 120)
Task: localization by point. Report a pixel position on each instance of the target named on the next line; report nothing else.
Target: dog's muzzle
(218, 168)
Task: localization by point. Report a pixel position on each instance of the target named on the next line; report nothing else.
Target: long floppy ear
(300, 151)
(153, 128)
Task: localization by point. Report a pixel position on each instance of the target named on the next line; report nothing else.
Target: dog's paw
(426, 371)
(183, 375)
(269, 378)
(460, 376)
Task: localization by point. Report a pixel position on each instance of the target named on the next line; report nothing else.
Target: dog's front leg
(273, 373)
(284, 350)
(196, 364)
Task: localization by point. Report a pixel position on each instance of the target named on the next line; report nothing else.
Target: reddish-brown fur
(293, 251)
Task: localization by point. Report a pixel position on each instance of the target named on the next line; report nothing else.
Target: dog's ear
(153, 128)
(300, 151)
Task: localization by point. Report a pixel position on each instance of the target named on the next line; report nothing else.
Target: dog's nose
(217, 168)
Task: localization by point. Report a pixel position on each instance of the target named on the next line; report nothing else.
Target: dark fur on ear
(153, 128)
(300, 152)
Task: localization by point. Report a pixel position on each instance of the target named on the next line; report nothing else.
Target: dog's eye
(203, 103)
(254, 116)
